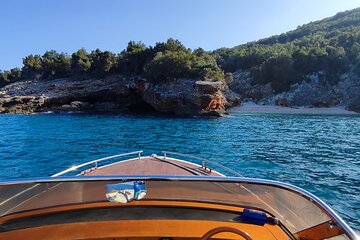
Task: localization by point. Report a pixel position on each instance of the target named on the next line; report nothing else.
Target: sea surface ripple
(318, 153)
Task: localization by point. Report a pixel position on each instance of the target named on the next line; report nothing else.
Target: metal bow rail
(203, 161)
(95, 162)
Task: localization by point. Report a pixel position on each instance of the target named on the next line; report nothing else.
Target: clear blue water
(318, 153)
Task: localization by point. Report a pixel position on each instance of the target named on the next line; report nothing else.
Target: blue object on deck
(139, 188)
(254, 217)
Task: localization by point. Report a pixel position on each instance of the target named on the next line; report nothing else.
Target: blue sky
(32, 27)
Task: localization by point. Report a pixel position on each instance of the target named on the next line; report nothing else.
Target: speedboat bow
(162, 197)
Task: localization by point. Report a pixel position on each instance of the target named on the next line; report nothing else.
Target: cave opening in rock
(141, 106)
(138, 104)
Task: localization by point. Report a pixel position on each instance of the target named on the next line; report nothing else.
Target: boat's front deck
(151, 166)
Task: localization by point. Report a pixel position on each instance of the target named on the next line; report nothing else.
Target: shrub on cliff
(80, 63)
(49, 66)
(132, 60)
(55, 65)
(32, 66)
(205, 67)
(168, 65)
(172, 60)
(279, 72)
(11, 76)
(4, 78)
(102, 63)
(15, 74)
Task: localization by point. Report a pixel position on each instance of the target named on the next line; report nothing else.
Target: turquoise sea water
(318, 153)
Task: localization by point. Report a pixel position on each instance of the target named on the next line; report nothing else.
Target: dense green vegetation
(162, 62)
(329, 47)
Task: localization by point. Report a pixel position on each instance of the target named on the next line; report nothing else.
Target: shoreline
(251, 107)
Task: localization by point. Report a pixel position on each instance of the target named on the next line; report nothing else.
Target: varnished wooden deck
(151, 166)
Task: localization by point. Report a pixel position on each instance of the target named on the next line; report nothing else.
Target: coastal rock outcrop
(242, 85)
(312, 92)
(21, 104)
(189, 97)
(315, 93)
(355, 105)
(116, 94)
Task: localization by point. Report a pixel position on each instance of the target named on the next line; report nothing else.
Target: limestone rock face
(65, 95)
(354, 105)
(21, 104)
(188, 97)
(283, 102)
(241, 84)
(349, 91)
(312, 92)
(115, 94)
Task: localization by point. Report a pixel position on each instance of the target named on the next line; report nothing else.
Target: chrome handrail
(317, 201)
(95, 162)
(203, 160)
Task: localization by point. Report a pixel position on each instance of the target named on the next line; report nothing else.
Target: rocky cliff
(312, 92)
(117, 94)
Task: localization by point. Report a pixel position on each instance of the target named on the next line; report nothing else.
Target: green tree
(14, 74)
(55, 65)
(80, 63)
(172, 60)
(354, 53)
(279, 72)
(169, 65)
(172, 45)
(102, 62)
(4, 78)
(32, 66)
(133, 59)
(63, 65)
(336, 63)
(307, 61)
(204, 66)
